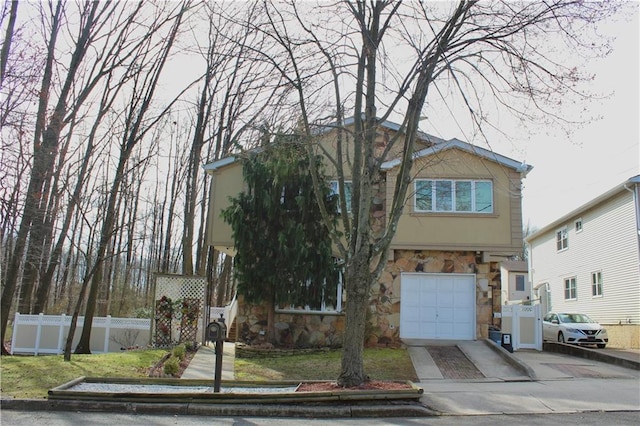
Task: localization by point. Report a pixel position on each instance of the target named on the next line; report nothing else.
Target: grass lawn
(379, 364)
(32, 376)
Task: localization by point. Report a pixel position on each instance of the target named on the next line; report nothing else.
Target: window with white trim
(578, 225)
(335, 189)
(454, 196)
(562, 239)
(570, 289)
(596, 284)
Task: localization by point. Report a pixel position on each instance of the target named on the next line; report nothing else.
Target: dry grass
(32, 376)
(380, 364)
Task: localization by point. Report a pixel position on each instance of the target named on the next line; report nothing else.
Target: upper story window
(579, 225)
(570, 289)
(455, 196)
(335, 189)
(596, 284)
(562, 239)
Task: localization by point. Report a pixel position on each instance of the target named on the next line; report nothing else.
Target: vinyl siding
(499, 232)
(607, 243)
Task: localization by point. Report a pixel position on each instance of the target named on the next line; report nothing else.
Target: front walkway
(203, 364)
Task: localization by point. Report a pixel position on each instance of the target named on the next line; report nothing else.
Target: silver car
(573, 328)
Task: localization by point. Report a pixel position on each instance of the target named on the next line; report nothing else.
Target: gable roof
(319, 130)
(624, 186)
(439, 145)
(464, 146)
(425, 137)
(220, 163)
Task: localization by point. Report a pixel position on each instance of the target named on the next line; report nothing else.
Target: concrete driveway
(526, 381)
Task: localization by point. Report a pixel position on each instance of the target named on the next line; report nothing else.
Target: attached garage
(438, 306)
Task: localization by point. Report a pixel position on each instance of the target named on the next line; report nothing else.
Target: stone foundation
(316, 329)
(293, 330)
(384, 326)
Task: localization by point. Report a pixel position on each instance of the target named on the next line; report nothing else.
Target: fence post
(14, 333)
(61, 333)
(106, 334)
(515, 327)
(39, 332)
(538, 335)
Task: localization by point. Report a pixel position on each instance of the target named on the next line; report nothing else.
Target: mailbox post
(217, 332)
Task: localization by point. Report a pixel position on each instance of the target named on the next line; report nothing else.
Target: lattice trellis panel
(187, 296)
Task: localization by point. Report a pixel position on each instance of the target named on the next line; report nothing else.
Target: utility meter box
(506, 342)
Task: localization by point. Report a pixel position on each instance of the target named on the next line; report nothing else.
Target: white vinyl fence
(47, 334)
(524, 322)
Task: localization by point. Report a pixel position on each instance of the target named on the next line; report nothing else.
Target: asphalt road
(48, 418)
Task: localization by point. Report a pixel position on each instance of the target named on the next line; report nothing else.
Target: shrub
(143, 312)
(172, 366)
(191, 346)
(179, 352)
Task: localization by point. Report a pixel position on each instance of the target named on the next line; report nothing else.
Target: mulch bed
(370, 385)
(158, 369)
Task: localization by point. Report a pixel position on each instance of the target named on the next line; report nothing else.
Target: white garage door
(438, 306)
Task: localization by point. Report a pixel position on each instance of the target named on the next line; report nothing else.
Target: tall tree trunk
(8, 37)
(143, 96)
(43, 159)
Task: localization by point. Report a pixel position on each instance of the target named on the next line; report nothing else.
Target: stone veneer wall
(293, 330)
(384, 324)
(308, 330)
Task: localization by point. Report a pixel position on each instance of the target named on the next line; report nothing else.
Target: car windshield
(574, 318)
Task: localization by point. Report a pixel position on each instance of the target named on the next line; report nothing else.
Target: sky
(569, 172)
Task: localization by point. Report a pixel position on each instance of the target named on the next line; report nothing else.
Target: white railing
(229, 313)
(47, 334)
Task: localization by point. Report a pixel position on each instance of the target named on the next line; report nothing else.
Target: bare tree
(389, 59)
(235, 92)
(48, 128)
(152, 54)
(8, 37)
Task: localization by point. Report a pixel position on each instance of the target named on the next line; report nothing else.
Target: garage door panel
(437, 306)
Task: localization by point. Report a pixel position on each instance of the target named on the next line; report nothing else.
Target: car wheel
(561, 337)
(601, 345)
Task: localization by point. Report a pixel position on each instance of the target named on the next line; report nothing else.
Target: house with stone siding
(461, 219)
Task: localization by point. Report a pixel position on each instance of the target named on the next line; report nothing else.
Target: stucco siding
(225, 183)
(607, 243)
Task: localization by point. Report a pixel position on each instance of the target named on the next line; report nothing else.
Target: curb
(270, 410)
(512, 360)
(592, 354)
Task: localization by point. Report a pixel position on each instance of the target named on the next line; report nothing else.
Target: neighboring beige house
(461, 219)
(516, 287)
(589, 261)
